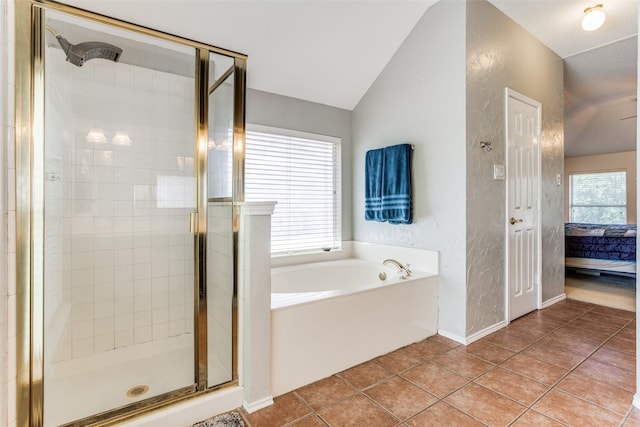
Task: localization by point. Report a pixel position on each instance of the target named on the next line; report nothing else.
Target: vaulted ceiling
(331, 51)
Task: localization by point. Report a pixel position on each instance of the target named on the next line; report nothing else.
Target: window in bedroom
(302, 173)
(598, 198)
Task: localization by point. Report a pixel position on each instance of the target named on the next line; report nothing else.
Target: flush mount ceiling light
(593, 18)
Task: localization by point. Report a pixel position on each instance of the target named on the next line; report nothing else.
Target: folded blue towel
(388, 184)
(396, 184)
(373, 185)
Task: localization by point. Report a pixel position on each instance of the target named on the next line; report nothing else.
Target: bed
(601, 248)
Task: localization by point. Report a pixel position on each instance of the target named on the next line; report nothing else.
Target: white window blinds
(301, 172)
(598, 198)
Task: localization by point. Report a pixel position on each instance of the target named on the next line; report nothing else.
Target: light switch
(498, 172)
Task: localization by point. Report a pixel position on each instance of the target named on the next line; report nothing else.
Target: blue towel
(396, 184)
(388, 184)
(373, 185)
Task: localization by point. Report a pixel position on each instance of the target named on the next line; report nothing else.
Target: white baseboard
(456, 338)
(636, 401)
(251, 407)
(486, 331)
(475, 337)
(553, 300)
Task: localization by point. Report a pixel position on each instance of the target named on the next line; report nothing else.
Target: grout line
(526, 408)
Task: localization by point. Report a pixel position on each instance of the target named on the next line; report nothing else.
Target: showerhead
(79, 53)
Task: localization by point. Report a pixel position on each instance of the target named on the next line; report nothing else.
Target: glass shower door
(119, 184)
(220, 257)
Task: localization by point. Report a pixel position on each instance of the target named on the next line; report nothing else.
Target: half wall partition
(130, 160)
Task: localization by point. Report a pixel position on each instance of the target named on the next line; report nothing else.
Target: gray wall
(268, 109)
(420, 98)
(444, 92)
(502, 54)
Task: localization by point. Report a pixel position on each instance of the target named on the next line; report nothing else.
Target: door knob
(514, 221)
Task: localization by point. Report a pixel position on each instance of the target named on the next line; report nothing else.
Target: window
(302, 173)
(598, 198)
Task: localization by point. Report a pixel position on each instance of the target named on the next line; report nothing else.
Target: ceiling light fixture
(593, 18)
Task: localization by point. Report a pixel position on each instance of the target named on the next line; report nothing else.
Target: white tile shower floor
(86, 386)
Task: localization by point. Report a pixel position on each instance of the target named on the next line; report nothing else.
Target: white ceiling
(331, 51)
(600, 69)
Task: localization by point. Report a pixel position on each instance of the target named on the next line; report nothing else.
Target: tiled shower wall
(118, 252)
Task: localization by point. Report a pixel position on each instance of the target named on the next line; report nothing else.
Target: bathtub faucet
(403, 272)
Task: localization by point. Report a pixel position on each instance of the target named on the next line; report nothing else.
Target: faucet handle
(408, 267)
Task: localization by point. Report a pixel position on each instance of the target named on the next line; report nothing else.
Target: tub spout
(403, 272)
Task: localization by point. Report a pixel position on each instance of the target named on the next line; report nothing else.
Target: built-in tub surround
(319, 310)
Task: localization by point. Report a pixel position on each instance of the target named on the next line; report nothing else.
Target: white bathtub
(327, 317)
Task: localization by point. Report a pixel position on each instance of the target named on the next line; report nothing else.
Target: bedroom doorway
(523, 213)
(600, 235)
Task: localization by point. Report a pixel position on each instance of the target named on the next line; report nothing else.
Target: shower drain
(138, 390)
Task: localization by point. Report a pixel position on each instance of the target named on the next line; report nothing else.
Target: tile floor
(572, 364)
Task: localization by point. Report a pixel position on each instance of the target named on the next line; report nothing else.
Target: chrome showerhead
(79, 53)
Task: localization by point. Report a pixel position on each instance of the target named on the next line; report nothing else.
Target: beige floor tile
(443, 415)
(553, 355)
(580, 346)
(599, 393)
(488, 351)
(617, 358)
(508, 340)
(633, 418)
(463, 364)
(628, 332)
(325, 392)
(356, 411)
(485, 405)
(575, 412)
(532, 418)
(516, 387)
(399, 360)
(400, 397)
(365, 375)
(435, 379)
(608, 374)
(308, 421)
(621, 344)
(428, 349)
(535, 369)
(286, 408)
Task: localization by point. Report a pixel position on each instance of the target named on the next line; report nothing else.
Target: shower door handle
(193, 222)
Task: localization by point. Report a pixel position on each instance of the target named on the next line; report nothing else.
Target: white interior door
(523, 190)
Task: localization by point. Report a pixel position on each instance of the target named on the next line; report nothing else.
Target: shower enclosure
(131, 171)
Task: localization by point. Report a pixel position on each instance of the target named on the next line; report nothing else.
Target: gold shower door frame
(29, 142)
